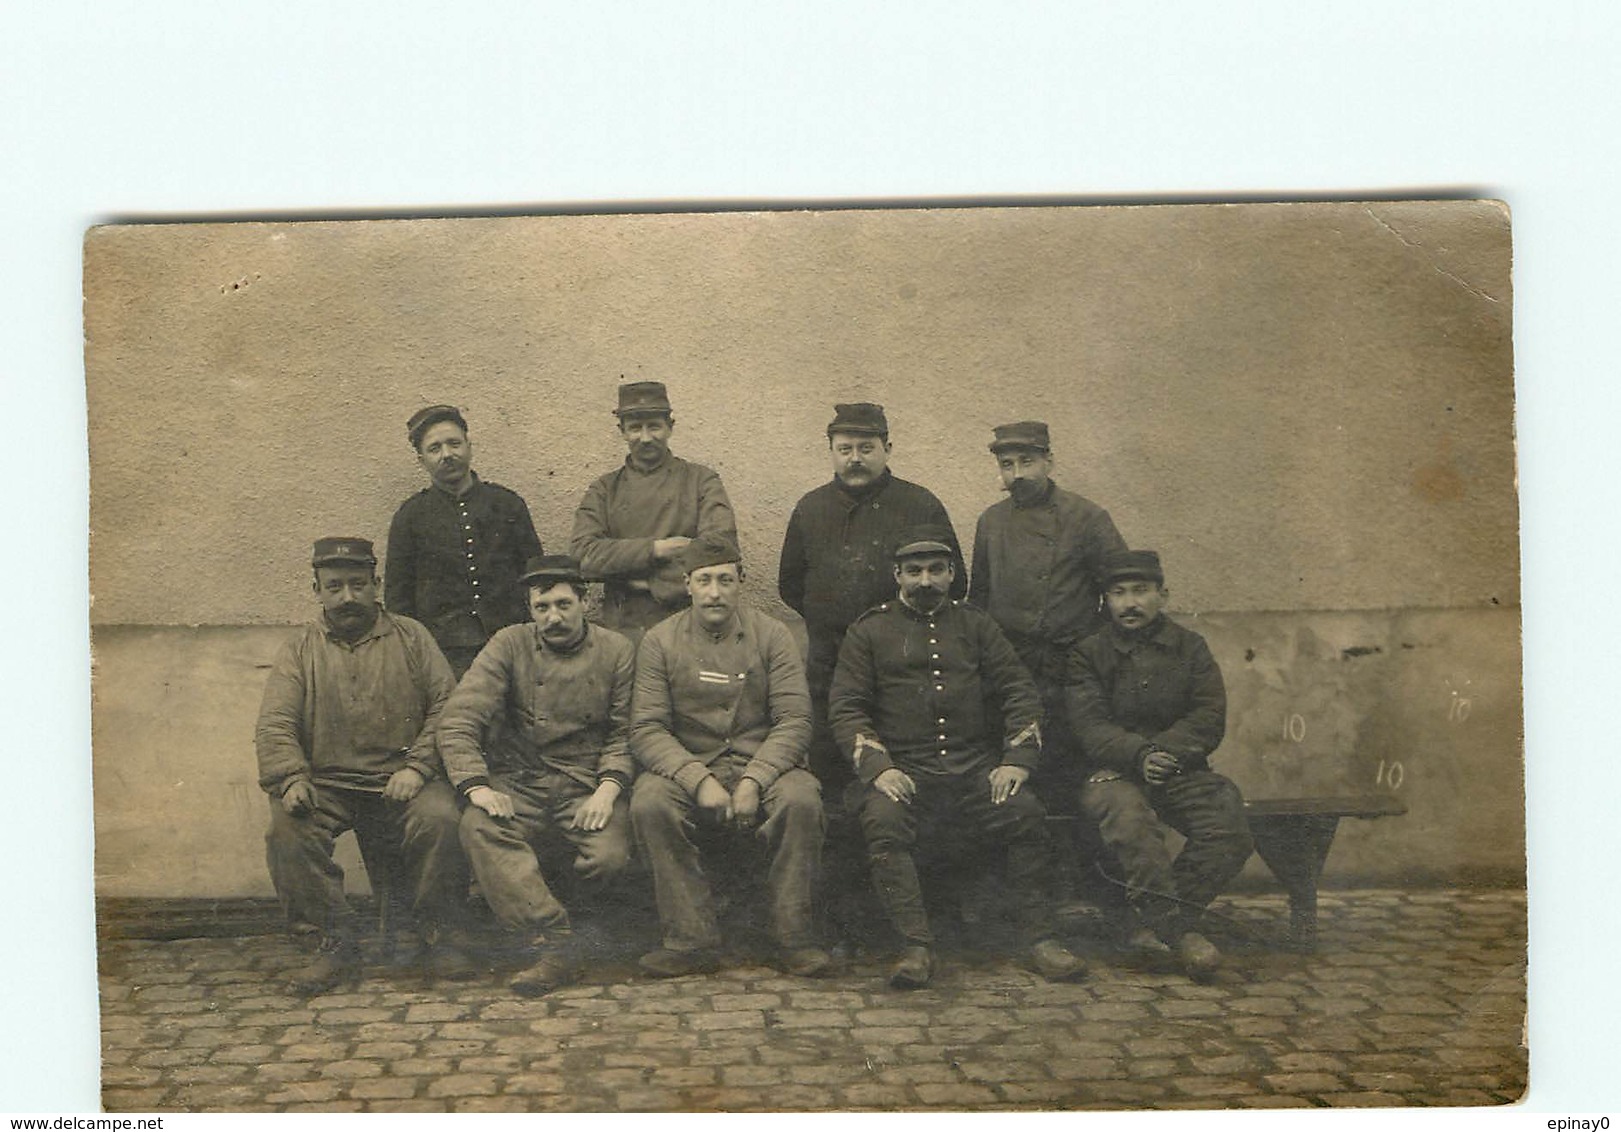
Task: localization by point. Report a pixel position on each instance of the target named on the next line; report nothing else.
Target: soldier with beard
(941, 724)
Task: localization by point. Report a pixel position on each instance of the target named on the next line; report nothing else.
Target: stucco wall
(1426, 703)
(1302, 406)
(1307, 409)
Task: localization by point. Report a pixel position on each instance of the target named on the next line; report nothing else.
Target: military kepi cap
(925, 539)
(550, 569)
(643, 398)
(343, 552)
(1021, 434)
(424, 419)
(861, 418)
(1126, 565)
(710, 549)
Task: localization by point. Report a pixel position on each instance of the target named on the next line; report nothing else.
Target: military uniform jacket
(350, 714)
(911, 691)
(567, 712)
(838, 556)
(698, 698)
(1156, 689)
(454, 561)
(625, 511)
(1035, 572)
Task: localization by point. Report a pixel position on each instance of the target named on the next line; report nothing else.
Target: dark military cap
(924, 539)
(424, 419)
(643, 399)
(861, 418)
(1123, 565)
(550, 569)
(343, 552)
(1021, 434)
(710, 550)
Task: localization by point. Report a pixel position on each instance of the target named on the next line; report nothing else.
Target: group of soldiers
(474, 726)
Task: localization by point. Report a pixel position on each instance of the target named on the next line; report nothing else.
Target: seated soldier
(721, 726)
(1148, 706)
(535, 737)
(909, 706)
(345, 741)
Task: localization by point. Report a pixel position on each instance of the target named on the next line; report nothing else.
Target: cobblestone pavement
(1411, 999)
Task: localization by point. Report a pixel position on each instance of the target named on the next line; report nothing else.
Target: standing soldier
(456, 548)
(558, 771)
(345, 741)
(1037, 555)
(941, 723)
(633, 524)
(1149, 709)
(838, 556)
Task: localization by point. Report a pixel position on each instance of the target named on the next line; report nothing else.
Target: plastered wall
(1308, 409)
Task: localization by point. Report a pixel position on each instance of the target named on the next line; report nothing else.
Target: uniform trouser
(1132, 818)
(844, 862)
(955, 811)
(502, 851)
(829, 766)
(666, 819)
(419, 834)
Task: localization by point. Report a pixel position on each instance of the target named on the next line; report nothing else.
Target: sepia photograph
(822, 659)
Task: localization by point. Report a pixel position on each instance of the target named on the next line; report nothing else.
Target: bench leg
(1295, 847)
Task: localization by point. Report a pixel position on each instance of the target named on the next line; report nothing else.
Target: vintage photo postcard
(898, 659)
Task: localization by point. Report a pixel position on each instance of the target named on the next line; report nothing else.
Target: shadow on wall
(1425, 704)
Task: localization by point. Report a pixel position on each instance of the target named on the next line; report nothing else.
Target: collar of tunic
(381, 627)
(1153, 633)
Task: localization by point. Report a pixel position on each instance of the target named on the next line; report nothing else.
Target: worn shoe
(1055, 962)
(552, 970)
(447, 956)
(915, 969)
(806, 962)
(667, 964)
(1199, 956)
(1144, 943)
(336, 961)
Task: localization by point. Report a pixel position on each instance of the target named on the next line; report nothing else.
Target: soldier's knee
(604, 857)
(434, 819)
(1111, 798)
(287, 831)
(475, 827)
(652, 802)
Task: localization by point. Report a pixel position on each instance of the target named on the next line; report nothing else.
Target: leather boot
(915, 969)
(336, 961)
(555, 968)
(1055, 962)
(1199, 956)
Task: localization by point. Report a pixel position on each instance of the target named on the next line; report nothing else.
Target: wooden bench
(1293, 836)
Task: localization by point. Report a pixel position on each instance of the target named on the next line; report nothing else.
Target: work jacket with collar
(838, 556)
(1158, 689)
(350, 714)
(526, 707)
(932, 693)
(1036, 572)
(627, 510)
(699, 697)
